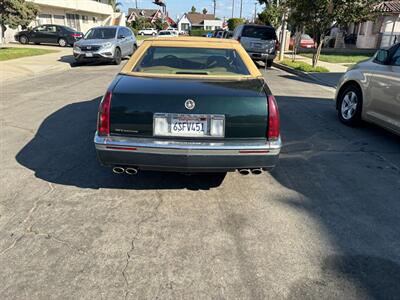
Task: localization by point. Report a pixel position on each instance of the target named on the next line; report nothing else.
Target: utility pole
(233, 8)
(241, 8)
(283, 37)
(136, 4)
(215, 6)
(255, 12)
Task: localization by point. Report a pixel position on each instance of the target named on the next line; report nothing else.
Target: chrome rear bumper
(186, 156)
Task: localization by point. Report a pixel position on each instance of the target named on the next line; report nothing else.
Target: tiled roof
(199, 18)
(388, 6)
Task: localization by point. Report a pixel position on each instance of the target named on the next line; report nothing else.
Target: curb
(303, 74)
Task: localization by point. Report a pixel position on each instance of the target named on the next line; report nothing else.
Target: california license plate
(89, 54)
(187, 125)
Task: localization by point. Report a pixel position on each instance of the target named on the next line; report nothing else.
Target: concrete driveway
(324, 225)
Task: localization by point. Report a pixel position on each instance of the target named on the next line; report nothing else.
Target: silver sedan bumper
(187, 156)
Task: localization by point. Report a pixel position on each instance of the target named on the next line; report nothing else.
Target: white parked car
(148, 31)
(166, 33)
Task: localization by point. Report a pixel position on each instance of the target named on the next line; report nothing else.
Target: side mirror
(382, 56)
(121, 36)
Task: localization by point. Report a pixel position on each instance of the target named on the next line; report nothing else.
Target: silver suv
(259, 41)
(107, 43)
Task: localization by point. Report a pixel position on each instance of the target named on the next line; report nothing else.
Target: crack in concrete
(28, 229)
(132, 248)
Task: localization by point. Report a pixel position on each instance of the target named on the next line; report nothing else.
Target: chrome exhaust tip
(244, 172)
(118, 170)
(256, 171)
(131, 171)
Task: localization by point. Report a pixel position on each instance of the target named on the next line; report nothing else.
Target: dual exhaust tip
(129, 171)
(246, 172)
(135, 171)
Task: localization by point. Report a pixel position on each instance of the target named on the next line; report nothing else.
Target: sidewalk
(330, 79)
(20, 68)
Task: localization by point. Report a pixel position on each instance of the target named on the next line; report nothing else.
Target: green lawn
(12, 53)
(143, 37)
(302, 66)
(338, 58)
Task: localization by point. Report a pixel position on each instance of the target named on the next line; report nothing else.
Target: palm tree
(115, 5)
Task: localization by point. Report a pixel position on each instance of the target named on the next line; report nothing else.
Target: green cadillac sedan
(190, 105)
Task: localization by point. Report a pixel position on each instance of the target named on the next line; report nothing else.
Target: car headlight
(107, 45)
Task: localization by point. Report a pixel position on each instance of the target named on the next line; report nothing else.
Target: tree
(271, 15)
(160, 24)
(115, 5)
(193, 9)
(14, 13)
(140, 23)
(205, 11)
(320, 15)
(234, 22)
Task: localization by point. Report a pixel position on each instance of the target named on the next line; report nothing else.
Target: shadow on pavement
(69, 59)
(63, 152)
(347, 181)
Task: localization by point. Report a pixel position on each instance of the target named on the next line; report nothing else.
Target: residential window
(85, 19)
(208, 27)
(94, 20)
(44, 19)
(185, 27)
(376, 28)
(72, 20)
(363, 27)
(59, 19)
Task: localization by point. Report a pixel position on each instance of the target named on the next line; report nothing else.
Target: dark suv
(259, 41)
(49, 34)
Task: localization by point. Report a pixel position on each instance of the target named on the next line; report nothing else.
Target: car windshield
(191, 61)
(100, 34)
(164, 33)
(306, 37)
(258, 32)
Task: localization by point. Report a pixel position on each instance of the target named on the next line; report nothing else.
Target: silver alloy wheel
(62, 42)
(349, 105)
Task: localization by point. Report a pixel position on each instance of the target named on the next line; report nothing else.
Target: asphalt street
(325, 224)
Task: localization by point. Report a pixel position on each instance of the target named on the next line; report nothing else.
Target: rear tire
(350, 105)
(23, 39)
(269, 63)
(117, 57)
(62, 42)
(154, 34)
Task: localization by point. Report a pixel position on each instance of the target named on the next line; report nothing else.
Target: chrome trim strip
(154, 146)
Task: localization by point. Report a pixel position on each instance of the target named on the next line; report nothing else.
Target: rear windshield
(101, 33)
(264, 33)
(191, 61)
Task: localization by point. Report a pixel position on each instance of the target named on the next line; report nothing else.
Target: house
(382, 32)
(78, 14)
(190, 21)
(150, 14)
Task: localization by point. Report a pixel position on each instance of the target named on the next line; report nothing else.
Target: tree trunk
(3, 34)
(317, 52)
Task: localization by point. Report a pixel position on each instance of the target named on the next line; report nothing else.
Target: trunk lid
(136, 99)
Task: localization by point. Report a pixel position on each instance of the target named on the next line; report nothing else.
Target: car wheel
(62, 42)
(117, 56)
(23, 39)
(350, 106)
(154, 34)
(142, 34)
(269, 63)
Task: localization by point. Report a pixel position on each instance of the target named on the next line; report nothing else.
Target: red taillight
(76, 35)
(273, 119)
(103, 122)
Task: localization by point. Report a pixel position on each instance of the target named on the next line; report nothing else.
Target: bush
(234, 22)
(304, 67)
(198, 32)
